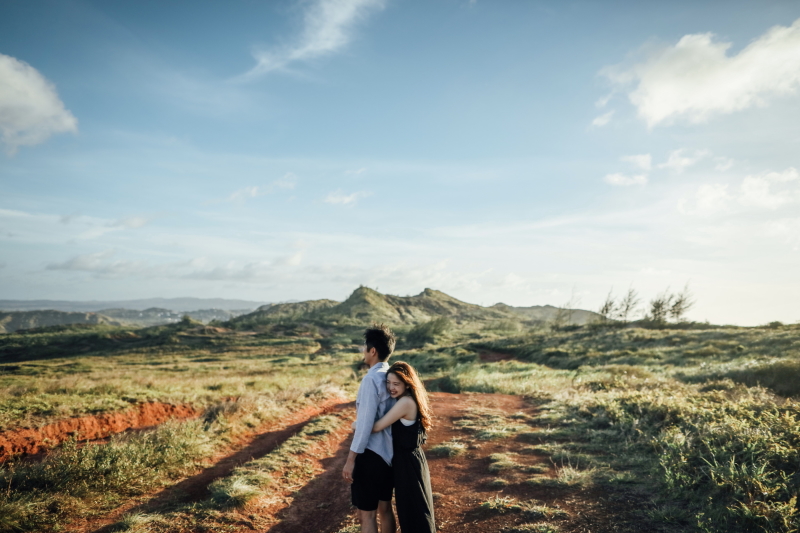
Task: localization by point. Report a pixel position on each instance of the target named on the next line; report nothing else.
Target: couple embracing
(392, 420)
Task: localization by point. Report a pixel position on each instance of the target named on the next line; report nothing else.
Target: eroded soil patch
(38, 440)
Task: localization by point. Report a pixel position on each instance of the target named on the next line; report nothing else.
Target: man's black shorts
(372, 481)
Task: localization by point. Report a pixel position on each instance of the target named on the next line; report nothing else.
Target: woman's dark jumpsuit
(412, 479)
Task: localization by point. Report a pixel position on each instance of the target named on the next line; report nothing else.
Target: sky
(525, 152)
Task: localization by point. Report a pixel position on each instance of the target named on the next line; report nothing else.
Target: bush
(427, 332)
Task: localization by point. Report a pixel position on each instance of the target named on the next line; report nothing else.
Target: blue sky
(524, 152)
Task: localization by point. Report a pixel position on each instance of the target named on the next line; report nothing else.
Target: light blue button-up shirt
(373, 401)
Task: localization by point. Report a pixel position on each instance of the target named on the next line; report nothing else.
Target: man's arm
(365, 417)
(349, 466)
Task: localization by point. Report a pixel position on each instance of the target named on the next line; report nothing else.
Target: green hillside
(549, 313)
(17, 320)
(366, 305)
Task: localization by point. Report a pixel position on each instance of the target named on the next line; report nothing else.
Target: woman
(410, 419)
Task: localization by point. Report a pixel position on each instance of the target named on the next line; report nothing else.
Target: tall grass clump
(735, 461)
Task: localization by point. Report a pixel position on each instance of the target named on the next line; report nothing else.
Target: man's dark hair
(380, 337)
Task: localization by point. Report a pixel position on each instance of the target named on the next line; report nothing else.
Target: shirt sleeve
(367, 409)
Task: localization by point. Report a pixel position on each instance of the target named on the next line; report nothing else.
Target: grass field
(704, 419)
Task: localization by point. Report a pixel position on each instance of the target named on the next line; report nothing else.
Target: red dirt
(319, 502)
(460, 485)
(323, 505)
(33, 441)
(493, 357)
(194, 488)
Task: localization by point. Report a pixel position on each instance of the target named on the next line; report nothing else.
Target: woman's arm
(404, 408)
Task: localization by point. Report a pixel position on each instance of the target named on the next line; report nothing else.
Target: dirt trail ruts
(194, 488)
(33, 441)
(323, 505)
(462, 483)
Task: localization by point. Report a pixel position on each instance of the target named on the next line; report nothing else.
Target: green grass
(283, 469)
(541, 527)
(529, 510)
(706, 417)
(452, 448)
(501, 461)
(239, 386)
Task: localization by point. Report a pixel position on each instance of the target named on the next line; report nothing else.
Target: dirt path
(484, 488)
(464, 483)
(195, 487)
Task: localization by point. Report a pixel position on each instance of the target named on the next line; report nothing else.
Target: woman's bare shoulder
(406, 400)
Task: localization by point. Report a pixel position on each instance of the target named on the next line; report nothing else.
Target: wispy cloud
(327, 28)
(603, 119)
(129, 222)
(766, 191)
(681, 159)
(30, 109)
(696, 78)
(100, 264)
(756, 191)
(642, 161)
(623, 180)
(288, 181)
(723, 164)
(340, 198)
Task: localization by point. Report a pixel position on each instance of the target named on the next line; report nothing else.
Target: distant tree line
(664, 307)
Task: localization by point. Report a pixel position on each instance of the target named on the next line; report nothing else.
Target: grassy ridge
(689, 404)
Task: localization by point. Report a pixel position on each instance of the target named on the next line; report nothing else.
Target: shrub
(427, 332)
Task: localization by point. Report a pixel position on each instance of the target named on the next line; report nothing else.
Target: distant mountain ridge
(180, 305)
(17, 320)
(366, 305)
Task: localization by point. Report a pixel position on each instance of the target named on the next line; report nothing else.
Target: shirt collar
(380, 365)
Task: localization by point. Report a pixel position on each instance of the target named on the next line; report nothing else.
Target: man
(369, 464)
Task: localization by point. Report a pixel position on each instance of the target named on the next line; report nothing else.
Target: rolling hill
(17, 320)
(366, 305)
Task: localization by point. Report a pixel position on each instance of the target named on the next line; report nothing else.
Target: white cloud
(763, 191)
(642, 161)
(328, 25)
(340, 198)
(288, 181)
(128, 222)
(696, 78)
(756, 190)
(710, 199)
(723, 164)
(602, 102)
(100, 264)
(246, 192)
(30, 109)
(603, 119)
(623, 180)
(681, 159)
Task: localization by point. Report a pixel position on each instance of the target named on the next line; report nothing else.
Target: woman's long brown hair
(416, 389)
